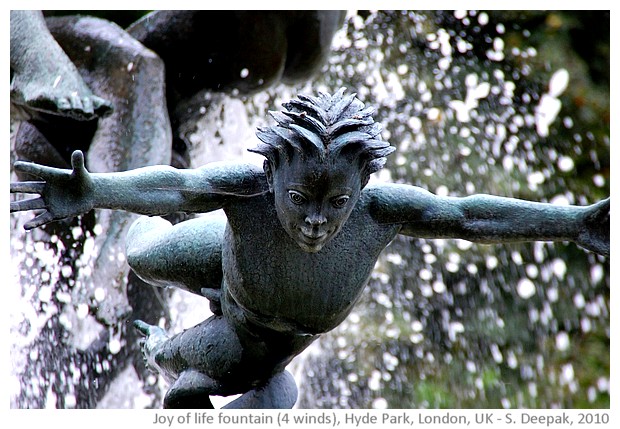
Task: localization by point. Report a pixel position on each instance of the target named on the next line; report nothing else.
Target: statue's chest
(267, 273)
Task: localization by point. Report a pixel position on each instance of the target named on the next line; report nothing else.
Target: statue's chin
(311, 245)
(310, 248)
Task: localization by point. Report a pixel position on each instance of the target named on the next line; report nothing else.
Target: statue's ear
(268, 169)
(365, 179)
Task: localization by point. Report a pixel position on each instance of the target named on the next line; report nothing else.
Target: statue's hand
(154, 338)
(63, 193)
(593, 232)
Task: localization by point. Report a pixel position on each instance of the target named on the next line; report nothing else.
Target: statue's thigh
(186, 255)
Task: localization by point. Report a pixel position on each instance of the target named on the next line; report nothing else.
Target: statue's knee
(125, 56)
(145, 225)
(140, 237)
(284, 390)
(147, 63)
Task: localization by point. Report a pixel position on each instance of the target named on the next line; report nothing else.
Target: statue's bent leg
(280, 391)
(187, 255)
(201, 361)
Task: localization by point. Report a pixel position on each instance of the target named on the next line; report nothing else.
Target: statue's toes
(101, 106)
(62, 104)
(76, 103)
(86, 108)
(83, 108)
(68, 107)
(76, 107)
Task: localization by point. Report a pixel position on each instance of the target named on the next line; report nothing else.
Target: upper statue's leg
(187, 255)
(132, 77)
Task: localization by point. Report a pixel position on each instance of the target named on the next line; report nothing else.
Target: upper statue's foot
(63, 94)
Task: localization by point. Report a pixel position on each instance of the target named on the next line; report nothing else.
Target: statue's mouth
(312, 241)
(313, 235)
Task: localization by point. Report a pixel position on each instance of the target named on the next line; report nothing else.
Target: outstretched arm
(155, 190)
(491, 219)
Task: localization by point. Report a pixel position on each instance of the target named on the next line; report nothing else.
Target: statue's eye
(340, 201)
(296, 197)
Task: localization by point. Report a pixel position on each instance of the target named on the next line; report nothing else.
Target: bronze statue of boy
(301, 239)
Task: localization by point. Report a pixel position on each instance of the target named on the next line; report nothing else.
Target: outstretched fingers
(40, 220)
(28, 187)
(154, 338)
(149, 330)
(31, 204)
(42, 171)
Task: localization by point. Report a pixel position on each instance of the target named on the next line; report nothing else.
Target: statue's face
(314, 199)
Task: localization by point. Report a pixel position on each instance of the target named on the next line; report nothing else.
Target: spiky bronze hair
(326, 127)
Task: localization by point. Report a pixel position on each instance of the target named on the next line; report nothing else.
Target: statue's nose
(316, 219)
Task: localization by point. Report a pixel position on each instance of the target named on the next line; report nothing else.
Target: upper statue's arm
(490, 219)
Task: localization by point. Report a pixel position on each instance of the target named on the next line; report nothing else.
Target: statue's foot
(59, 94)
(280, 391)
(154, 338)
(191, 390)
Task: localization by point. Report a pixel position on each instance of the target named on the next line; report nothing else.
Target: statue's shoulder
(376, 189)
(371, 194)
(388, 201)
(235, 178)
(387, 191)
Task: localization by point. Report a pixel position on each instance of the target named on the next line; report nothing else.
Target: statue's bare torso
(286, 289)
